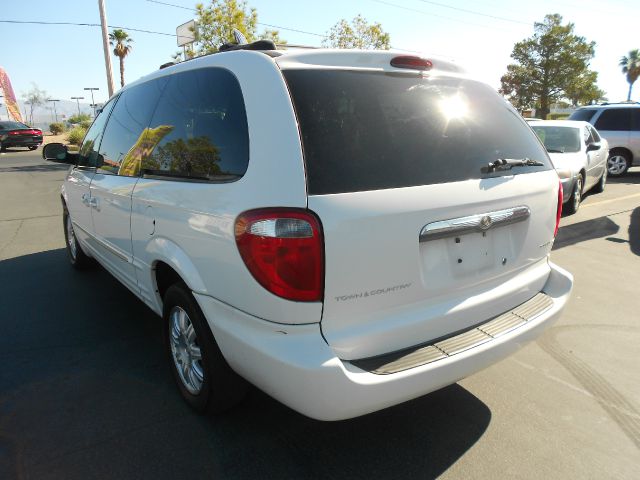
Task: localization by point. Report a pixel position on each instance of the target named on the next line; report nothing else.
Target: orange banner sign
(9, 96)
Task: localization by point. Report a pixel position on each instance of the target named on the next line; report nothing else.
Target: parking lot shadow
(49, 167)
(86, 392)
(631, 177)
(634, 231)
(582, 231)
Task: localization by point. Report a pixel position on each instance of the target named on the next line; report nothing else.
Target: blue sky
(65, 59)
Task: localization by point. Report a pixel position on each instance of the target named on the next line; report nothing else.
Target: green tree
(34, 98)
(584, 90)
(357, 34)
(121, 41)
(631, 68)
(548, 66)
(217, 21)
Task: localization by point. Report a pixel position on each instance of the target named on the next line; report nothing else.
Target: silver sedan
(579, 155)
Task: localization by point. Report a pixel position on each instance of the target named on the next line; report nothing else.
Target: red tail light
(26, 132)
(559, 209)
(412, 62)
(284, 251)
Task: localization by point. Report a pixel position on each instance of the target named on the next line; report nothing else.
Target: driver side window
(88, 155)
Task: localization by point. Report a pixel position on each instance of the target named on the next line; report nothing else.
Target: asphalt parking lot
(85, 391)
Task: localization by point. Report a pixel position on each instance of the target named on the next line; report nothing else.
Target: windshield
(375, 130)
(11, 125)
(559, 139)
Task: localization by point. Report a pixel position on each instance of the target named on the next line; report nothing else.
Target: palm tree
(631, 68)
(122, 48)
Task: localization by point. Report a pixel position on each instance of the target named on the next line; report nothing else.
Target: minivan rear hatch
(423, 237)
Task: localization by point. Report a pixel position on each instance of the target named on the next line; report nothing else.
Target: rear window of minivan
(364, 130)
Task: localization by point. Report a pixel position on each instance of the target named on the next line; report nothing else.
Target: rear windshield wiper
(509, 163)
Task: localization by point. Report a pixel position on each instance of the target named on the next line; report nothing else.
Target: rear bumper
(295, 365)
(567, 187)
(21, 142)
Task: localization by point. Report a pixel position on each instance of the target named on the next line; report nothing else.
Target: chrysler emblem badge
(485, 222)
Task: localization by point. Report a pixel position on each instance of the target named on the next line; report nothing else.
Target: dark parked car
(16, 134)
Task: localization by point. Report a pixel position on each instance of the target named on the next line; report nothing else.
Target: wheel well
(622, 151)
(165, 277)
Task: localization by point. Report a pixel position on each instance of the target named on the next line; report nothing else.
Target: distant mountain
(43, 115)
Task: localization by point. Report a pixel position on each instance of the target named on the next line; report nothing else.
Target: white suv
(346, 230)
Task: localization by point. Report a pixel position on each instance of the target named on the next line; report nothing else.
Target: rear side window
(635, 121)
(373, 130)
(124, 141)
(583, 115)
(199, 130)
(614, 119)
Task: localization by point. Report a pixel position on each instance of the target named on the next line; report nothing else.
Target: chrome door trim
(473, 223)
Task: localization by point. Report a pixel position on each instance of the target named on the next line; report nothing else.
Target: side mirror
(593, 146)
(57, 152)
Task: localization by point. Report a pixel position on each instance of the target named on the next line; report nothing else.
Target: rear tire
(78, 259)
(33, 147)
(618, 163)
(576, 196)
(204, 378)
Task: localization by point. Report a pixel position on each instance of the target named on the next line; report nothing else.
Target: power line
(259, 23)
(473, 12)
(429, 14)
(36, 22)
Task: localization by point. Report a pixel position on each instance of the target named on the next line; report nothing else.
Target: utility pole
(105, 45)
(52, 100)
(77, 99)
(93, 102)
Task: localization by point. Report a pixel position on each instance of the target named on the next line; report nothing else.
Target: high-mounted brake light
(409, 61)
(559, 209)
(284, 251)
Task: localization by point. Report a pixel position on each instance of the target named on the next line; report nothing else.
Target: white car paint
(300, 352)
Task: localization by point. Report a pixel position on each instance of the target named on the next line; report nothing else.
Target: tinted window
(635, 119)
(88, 154)
(616, 119)
(125, 139)
(559, 139)
(583, 114)
(199, 129)
(372, 130)
(595, 134)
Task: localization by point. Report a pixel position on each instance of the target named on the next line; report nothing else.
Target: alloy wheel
(185, 351)
(71, 239)
(616, 164)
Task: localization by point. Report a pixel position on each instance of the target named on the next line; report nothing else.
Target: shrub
(75, 135)
(56, 128)
(83, 117)
(85, 124)
(557, 116)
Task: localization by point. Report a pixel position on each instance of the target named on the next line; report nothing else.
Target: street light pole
(54, 100)
(93, 102)
(77, 99)
(105, 46)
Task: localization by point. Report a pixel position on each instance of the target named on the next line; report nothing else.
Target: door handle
(85, 199)
(93, 203)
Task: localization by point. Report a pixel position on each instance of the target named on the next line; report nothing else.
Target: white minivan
(345, 230)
